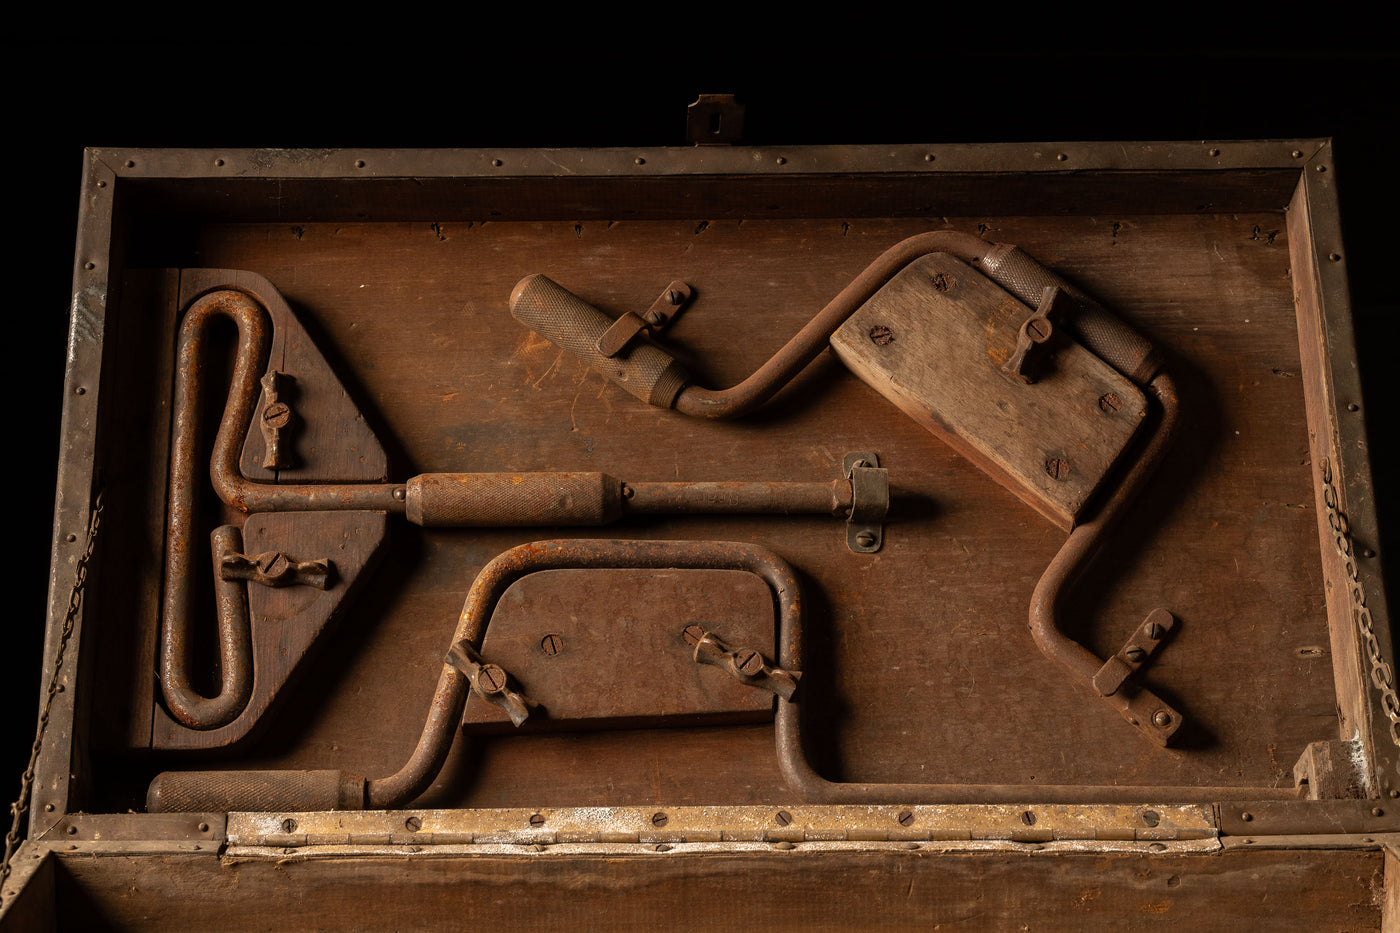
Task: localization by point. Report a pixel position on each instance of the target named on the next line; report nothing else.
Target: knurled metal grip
(572, 324)
(1098, 329)
(255, 791)
(463, 500)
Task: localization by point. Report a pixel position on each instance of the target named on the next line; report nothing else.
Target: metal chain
(75, 598)
(1382, 674)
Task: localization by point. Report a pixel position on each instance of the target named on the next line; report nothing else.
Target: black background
(483, 92)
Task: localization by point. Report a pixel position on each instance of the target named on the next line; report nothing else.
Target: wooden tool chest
(752, 690)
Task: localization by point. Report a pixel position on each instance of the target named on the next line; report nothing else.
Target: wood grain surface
(919, 663)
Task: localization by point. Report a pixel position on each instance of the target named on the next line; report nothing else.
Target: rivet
(780, 160)
(359, 163)
(1215, 152)
(1322, 168)
(640, 161)
(1248, 842)
(1247, 816)
(1297, 153)
(1161, 719)
(1335, 257)
(1368, 552)
(1394, 792)
(71, 830)
(1377, 811)
(48, 808)
(662, 847)
(130, 164)
(1062, 157)
(784, 845)
(1353, 407)
(399, 494)
(219, 163)
(80, 390)
(289, 825)
(101, 184)
(1158, 847)
(203, 827)
(70, 537)
(928, 156)
(496, 163)
(89, 266)
(911, 845)
(58, 689)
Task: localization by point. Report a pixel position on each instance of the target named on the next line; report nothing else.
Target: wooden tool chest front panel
(919, 665)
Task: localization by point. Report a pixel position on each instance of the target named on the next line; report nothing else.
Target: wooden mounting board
(934, 339)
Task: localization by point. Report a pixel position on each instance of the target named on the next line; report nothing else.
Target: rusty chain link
(75, 600)
(1382, 674)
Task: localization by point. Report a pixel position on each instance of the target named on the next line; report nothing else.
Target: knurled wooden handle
(512, 500)
(255, 791)
(572, 324)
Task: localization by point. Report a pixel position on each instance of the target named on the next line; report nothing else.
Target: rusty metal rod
(1137, 704)
(235, 651)
(832, 498)
(257, 789)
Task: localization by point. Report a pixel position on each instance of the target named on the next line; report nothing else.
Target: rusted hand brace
(652, 375)
(293, 791)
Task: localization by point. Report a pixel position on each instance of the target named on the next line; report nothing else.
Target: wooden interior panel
(925, 667)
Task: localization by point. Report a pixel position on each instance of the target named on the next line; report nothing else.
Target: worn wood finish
(287, 622)
(805, 889)
(600, 648)
(327, 440)
(1364, 706)
(941, 682)
(935, 340)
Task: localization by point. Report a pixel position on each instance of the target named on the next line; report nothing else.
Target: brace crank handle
(255, 791)
(1102, 332)
(572, 324)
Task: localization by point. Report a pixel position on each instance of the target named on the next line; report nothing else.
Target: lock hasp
(934, 340)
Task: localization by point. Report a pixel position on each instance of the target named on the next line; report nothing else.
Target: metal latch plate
(606, 648)
(933, 340)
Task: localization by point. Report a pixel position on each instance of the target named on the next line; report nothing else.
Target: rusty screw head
(537, 819)
(782, 818)
(693, 634)
(654, 318)
(1057, 468)
(551, 645)
(1038, 329)
(748, 661)
(289, 825)
(881, 335)
(1110, 403)
(905, 818)
(659, 818)
(674, 296)
(1135, 654)
(1154, 631)
(866, 539)
(413, 824)
(277, 414)
(274, 566)
(491, 679)
(1151, 817)
(1028, 818)
(1162, 718)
